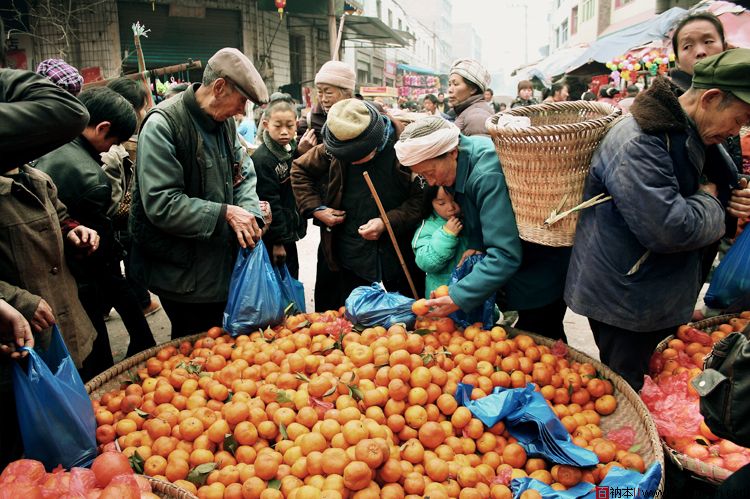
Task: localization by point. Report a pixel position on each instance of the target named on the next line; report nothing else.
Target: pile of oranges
(313, 409)
(683, 356)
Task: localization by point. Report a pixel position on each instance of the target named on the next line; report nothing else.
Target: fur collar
(657, 110)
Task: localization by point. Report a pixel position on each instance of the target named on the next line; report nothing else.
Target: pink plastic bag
(674, 409)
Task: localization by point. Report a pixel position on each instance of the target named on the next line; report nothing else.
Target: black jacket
(275, 186)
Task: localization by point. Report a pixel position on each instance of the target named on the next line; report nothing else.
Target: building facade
(576, 22)
(466, 42)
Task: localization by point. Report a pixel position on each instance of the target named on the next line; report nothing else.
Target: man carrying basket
(635, 271)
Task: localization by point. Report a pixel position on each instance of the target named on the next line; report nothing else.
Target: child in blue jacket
(438, 244)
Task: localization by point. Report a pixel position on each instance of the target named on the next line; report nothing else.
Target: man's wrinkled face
(438, 171)
(717, 121)
(228, 101)
(328, 95)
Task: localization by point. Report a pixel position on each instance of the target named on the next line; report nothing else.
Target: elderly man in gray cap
(194, 197)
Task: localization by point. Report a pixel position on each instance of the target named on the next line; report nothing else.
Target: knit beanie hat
(338, 74)
(61, 74)
(353, 129)
(471, 70)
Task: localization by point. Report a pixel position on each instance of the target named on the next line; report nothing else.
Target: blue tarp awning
(417, 69)
(613, 45)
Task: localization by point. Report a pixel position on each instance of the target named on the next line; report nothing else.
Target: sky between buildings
(506, 28)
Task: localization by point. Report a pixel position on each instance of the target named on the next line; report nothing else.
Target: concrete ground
(576, 327)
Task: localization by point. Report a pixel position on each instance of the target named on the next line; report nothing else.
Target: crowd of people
(92, 183)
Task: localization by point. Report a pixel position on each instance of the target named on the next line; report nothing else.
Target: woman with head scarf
(466, 85)
(356, 138)
(469, 168)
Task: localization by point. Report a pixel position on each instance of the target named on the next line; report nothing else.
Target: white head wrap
(441, 137)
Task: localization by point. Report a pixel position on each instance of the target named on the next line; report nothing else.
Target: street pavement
(576, 327)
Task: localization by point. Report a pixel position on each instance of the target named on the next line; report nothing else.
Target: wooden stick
(335, 55)
(142, 69)
(177, 68)
(388, 227)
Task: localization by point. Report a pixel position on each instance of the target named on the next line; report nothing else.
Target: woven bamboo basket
(630, 408)
(708, 472)
(546, 165)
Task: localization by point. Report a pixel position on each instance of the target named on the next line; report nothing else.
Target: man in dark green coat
(194, 195)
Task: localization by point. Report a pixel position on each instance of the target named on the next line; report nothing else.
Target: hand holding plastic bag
(255, 298)
(373, 306)
(54, 411)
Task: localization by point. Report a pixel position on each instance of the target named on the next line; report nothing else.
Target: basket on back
(546, 164)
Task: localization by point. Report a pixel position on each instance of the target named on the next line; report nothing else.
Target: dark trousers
(327, 285)
(292, 259)
(100, 359)
(140, 291)
(11, 445)
(192, 318)
(627, 352)
(546, 321)
(736, 485)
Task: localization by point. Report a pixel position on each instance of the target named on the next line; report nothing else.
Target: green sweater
(436, 251)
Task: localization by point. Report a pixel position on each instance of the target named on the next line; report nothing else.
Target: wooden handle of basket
(555, 217)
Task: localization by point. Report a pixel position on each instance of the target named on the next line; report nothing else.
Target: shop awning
(417, 69)
(551, 66)
(615, 44)
(372, 29)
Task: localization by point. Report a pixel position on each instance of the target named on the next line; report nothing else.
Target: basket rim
(127, 363)
(710, 472)
(610, 114)
(173, 491)
(619, 383)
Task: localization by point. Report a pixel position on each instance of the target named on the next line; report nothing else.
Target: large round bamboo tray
(114, 377)
(708, 472)
(546, 164)
(630, 408)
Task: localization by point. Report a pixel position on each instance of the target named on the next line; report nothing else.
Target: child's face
(444, 205)
(281, 126)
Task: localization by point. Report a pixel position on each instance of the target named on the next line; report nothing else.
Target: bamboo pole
(335, 55)
(388, 227)
(177, 68)
(142, 70)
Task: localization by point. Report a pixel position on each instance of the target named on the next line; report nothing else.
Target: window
(620, 3)
(296, 57)
(563, 32)
(390, 18)
(574, 21)
(379, 7)
(399, 24)
(587, 10)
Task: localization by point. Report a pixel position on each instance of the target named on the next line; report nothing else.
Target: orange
(514, 455)
(190, 428)
(334, 461)
(431, 434)
(155, 465)
(357, 475)
(176, 469)
(605, 405)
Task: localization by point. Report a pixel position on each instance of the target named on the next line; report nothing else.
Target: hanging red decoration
(280, 4)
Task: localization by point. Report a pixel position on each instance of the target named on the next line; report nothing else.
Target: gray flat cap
(232, 64)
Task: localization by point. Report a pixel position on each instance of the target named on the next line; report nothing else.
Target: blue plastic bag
(485, 313)
(619, 482)
(373, 306)
(731, 280)
(54, 411)
(255, 298)
(530, 420)
(292, 290)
